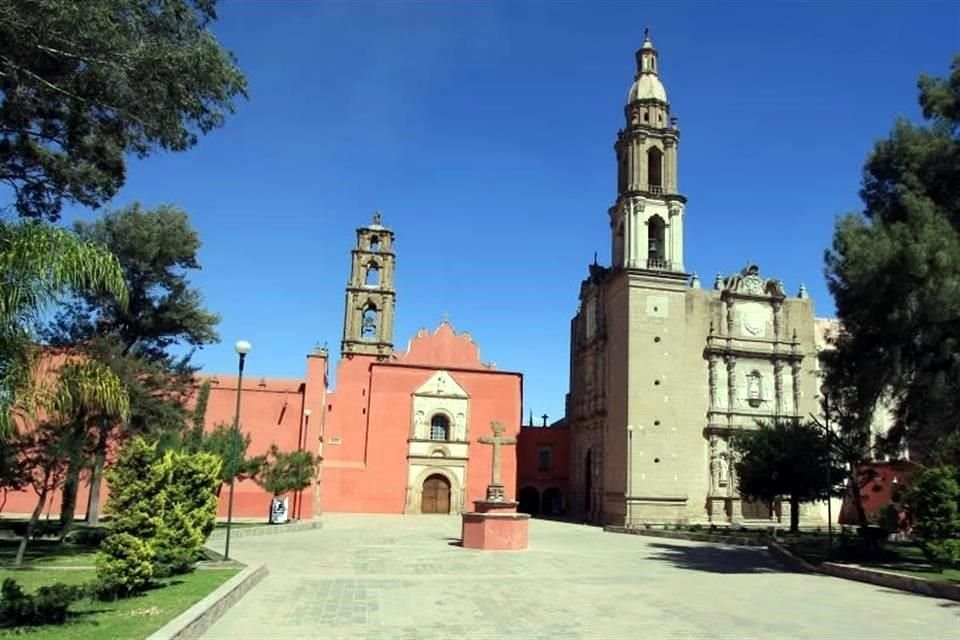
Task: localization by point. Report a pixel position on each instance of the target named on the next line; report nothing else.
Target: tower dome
(647, 87)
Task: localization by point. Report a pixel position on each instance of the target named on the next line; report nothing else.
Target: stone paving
(404, 578)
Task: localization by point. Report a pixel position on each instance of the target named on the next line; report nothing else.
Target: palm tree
(39, 264)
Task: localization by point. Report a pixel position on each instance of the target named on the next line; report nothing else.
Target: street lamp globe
(242, 347)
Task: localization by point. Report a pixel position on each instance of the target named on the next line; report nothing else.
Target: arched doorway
(529, 499)
(552, 502)
(436, 495)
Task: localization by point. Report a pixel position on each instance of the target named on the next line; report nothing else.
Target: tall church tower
(662, 372)
(371, 297)
(647, 219)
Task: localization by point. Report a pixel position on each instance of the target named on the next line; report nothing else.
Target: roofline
(430, 367)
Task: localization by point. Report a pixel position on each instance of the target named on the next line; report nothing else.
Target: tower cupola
(646, 82)
(647, 219)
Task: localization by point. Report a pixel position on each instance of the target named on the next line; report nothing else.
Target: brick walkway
(396, 577)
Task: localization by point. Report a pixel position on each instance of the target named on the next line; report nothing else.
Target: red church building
(398, 432)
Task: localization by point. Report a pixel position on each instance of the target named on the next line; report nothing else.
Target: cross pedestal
(495, 525)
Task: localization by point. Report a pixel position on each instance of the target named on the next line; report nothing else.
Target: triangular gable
(441, 384)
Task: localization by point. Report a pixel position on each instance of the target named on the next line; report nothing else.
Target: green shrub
(934, 499)
(178, 544)
(49, 605)
(193, 482)
(124, 566)
(943, 553)
(168, 502)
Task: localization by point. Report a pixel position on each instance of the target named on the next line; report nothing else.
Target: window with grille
(439, 427)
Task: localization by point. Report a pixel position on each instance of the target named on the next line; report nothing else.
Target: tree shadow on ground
(715, 559)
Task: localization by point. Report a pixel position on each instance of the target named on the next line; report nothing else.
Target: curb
(197, 619)
(785, 557)
(266, 530)
(898, 581)
(935, 589)
(737, 541)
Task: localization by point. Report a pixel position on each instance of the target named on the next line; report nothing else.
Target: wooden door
(436, 495)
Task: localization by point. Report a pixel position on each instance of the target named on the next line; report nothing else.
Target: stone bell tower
(371, 297)
(647, 219)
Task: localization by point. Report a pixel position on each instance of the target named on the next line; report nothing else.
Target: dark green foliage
(895, 274)
(230, 445)
(157, 250)
(287, 471)
(934, 502)
(83, 84)
(785, 460)
(49, 605)
(194, 438)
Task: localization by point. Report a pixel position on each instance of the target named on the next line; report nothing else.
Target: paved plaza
(403, 577)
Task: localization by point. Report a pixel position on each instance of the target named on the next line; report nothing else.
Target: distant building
(543, 468)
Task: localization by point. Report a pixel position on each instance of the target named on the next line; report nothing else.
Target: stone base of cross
(495, 525)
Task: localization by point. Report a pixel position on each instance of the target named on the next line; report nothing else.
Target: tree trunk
(71, 483)
(794, 514)
(68, 504)
(93, 502)
(34, 519)
(96, 476)
(856, 497)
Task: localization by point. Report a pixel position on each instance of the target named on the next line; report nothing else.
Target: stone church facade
(663, 371)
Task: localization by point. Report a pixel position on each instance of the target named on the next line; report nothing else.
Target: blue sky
(484, 133)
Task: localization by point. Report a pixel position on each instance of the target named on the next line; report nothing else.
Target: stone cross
(495, 489)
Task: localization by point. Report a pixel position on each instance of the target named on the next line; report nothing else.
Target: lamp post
(826, 425)
(242, 348)
(628, 491)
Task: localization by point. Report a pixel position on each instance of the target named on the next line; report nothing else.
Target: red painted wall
(882, 479)
(529, 441)
(361, 428)
(366, 471)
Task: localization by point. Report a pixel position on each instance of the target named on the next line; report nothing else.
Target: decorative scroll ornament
(748, 282)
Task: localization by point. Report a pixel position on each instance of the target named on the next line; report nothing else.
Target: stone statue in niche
(719, 464)
(754, 388)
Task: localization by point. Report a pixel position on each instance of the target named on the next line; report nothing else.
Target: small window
(439, 427)
(374, 243)
(544, 458)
